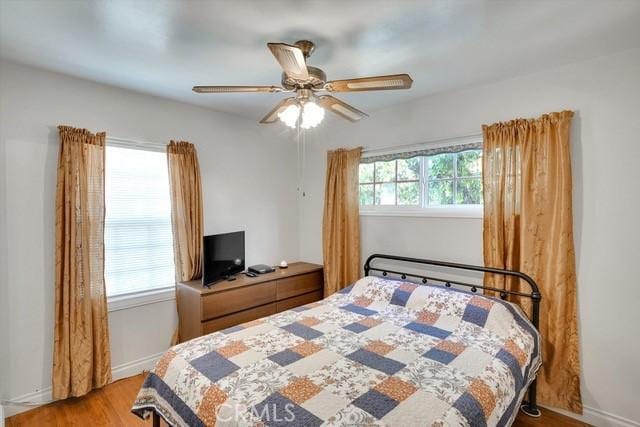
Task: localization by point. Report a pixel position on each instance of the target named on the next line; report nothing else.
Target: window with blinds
(138, 238)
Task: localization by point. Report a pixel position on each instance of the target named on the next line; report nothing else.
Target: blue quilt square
(375, 361)
(375, 403)
(302, 331)
(358, 310)
(512, 364)
(441, 356)
(474, 314)
(355, 327)
(214, 366)
(276, 410)
(471, 410)
(427, 330)
(285, 357)
(300, 308)
(232, 329)
(400, 297)
(346, 290)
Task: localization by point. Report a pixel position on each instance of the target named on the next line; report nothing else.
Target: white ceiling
(164, 47)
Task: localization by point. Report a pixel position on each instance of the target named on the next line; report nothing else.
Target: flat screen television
(222, 256)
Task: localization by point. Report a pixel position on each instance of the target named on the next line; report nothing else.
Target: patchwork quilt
(379, 353)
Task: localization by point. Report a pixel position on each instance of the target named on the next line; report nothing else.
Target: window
(454, 178)
(394, 182)
(442, 179)
(138, 238)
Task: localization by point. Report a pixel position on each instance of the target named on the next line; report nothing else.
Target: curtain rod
(444, 141)
(128, 142)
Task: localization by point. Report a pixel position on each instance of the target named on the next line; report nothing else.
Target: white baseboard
(44, 396)
(598, 417)
(135, 367)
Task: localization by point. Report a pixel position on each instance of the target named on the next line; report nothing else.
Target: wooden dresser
(226, 304)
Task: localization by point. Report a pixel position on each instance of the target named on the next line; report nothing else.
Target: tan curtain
(81, 355)
(528, 226)
(186, 213)
(341, 220)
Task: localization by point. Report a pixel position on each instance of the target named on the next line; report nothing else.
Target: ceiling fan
(308, 83)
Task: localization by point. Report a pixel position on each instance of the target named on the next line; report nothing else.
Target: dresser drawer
(222, 303)
(237, 318)
(298, 285)
(297, 301)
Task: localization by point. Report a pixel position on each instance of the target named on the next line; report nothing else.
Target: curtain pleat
(528, 226)
(81, 354)
(186, 213)
(341, 220)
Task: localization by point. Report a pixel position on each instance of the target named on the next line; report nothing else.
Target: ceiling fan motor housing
(316, 80)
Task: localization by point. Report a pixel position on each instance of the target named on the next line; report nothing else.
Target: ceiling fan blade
(291, 59)
(395, 81)
(342, 109)
(230, 89)
(272, 116)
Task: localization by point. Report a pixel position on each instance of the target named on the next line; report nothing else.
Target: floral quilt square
(341, 341)
(340, 317)
(273, 341)
(251, 384)
(347, 378)
(396, 315)
(444, 382)
(191, 385)
(351, 415)
(408, 340)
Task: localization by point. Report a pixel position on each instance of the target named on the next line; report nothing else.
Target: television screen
(222, 256)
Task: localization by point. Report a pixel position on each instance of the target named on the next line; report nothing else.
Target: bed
(393, 349)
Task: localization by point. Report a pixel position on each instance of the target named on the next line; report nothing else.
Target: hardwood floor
(111, 406)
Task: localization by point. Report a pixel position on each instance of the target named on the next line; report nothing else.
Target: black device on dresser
(261, 269)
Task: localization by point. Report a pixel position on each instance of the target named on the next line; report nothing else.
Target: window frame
(419, 181)
(149, 296)
(422, 209)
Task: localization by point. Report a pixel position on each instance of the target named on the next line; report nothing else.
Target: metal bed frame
(530, 406)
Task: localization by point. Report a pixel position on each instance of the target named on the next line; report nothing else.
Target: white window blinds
(138, 236)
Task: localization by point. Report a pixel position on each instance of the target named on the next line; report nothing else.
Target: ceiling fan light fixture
(312, 115)
(289, 115)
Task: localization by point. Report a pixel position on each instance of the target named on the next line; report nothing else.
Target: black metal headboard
(530, 407)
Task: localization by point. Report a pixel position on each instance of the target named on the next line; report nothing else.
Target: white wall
(4, 290)
(605, 93)
(248, 179)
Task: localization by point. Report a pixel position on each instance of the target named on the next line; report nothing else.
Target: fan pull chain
(298, 168)
(303, 162)
(301, 154)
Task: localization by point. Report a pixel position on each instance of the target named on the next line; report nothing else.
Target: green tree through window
(439, 180)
